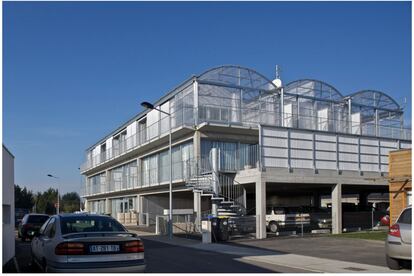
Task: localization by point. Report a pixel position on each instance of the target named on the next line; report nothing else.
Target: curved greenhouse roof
(313, 88)
(237, 76)
(375, 99)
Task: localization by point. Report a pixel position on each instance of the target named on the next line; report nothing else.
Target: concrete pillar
(214, 168)
(108, 206)
(197, 210)
(140, 209)
(197, 144)
(86, 203)
(336, 196)
(260, 208)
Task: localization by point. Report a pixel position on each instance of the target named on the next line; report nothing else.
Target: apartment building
(274, 144)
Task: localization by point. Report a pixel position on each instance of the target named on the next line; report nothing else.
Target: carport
(305, 187)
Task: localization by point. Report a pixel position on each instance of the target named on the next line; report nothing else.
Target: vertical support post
(377, 130)
(260, 147)
(297, 112)
(195, 111)
(336, 196)
(314, 152)
(170, 223)
(86, 205)
(282, 107)
(337, 151)
(197, 210)
(260, 208)
(350, 115)
(140, 209)
(359, 155)
(215, 170)
(108, 209)
(244, 198)
(288, 151)
(379, 156)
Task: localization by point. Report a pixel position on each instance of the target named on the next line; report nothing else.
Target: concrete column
(336, 209)
(108, 206)
(214, 168)
(197, 210)
(86, 205)
(260, 208)
(140, 209)
(197, 145)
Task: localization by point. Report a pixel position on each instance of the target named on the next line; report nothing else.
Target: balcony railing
(248, 117)
(183, 170)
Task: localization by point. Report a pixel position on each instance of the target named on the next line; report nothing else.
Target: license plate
(104, 248)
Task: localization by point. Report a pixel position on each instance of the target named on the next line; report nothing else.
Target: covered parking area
(344, 197)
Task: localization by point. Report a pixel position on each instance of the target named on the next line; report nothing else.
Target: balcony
(153, 175)
(250, 117)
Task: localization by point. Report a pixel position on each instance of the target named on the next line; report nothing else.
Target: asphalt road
(163, 258)
(343, 249)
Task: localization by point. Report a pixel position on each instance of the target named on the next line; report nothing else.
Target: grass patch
(369, 235)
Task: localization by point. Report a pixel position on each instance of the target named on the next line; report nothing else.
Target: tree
(70, 202)
(45, 202)
(23, 198)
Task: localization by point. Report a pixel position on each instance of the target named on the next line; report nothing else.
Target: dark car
(30, 225)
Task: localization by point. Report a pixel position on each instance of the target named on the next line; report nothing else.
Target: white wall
(8, 207)
(322, 153)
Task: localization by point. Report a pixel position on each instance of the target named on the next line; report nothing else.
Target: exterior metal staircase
(229, 195)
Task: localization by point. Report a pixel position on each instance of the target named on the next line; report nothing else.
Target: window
(405, 217)
(89, 224)
(37, 219)
(42, 229)
(50, 228)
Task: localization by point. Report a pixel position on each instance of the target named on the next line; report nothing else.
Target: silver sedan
(87, 243)
(398, 243)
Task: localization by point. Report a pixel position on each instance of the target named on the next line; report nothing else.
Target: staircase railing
(200, 175)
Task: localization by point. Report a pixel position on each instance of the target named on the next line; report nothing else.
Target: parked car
(87, 243)
(398, 243)
(287, 218)
(30, 225)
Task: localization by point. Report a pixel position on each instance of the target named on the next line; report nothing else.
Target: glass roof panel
(313, 88)
(375, 99)
(238, 76)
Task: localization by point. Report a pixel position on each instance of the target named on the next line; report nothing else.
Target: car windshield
(37, 219)
(89, 224)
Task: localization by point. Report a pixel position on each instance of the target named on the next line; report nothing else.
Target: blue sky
(72, 72)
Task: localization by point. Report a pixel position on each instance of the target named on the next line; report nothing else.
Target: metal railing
(247, 117)
(203, 177)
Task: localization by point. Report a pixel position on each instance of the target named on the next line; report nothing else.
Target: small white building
(8, 206)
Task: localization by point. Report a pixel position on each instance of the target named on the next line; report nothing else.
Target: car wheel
(392, 263)
(273, 227)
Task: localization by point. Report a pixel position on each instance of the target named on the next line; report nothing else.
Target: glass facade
(233, 155)
(156, 167)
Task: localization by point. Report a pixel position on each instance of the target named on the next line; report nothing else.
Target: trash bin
(219, 229)
(224, 229)
(215, 229)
